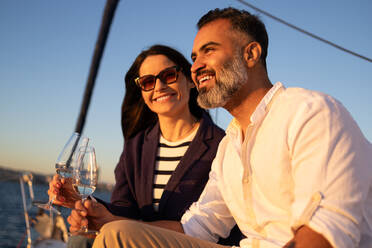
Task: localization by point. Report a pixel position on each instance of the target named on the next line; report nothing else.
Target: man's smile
(203, 77)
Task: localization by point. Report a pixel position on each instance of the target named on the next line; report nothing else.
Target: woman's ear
(252, 53)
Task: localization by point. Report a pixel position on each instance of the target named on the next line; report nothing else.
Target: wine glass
(85, 177)
(64, 165)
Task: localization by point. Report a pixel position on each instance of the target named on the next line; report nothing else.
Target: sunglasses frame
(176, 67)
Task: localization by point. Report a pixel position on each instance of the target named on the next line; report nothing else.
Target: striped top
(168, 157)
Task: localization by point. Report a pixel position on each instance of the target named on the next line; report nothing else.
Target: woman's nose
(159, 85)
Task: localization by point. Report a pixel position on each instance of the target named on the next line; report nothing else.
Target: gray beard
(231, 77)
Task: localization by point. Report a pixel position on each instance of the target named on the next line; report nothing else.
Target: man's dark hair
(241, 21)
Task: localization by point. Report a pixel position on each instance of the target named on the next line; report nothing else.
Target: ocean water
(12, 220)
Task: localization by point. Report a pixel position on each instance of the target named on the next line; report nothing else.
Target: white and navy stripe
(168, 157)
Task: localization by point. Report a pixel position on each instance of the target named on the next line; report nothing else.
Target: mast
(93, 71)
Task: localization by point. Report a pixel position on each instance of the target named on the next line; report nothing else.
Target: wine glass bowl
(64, 171)
(85, 174)
(85, 177)
(66, 158)
(64, 164)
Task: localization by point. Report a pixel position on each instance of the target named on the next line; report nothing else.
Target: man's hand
(91, 214)
(305, 237)
(61, 189)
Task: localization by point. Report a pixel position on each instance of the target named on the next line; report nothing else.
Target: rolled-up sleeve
(332, 174)
(209, 218)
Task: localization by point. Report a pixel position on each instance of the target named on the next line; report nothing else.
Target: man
(294, 170)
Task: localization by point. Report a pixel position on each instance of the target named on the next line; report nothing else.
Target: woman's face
(169, 100)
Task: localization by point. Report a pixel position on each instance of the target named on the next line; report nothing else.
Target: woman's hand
(91, 214)
(62, 191)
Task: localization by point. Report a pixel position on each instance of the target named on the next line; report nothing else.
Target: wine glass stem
(83, 199)
(84, 228)
(52, 200)
(50, 206)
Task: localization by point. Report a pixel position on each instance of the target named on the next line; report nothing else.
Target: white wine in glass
(64, 164)
(85, 177)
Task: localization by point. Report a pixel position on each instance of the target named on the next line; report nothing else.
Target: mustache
(205, 71)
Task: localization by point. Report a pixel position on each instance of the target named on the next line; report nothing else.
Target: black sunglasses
(168, 76)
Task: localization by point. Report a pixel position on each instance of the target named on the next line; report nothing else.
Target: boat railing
(46, 225)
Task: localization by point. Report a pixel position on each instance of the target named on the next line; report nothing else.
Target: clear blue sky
(46, 48)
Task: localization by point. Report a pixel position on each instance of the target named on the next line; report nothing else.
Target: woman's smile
(163, 98)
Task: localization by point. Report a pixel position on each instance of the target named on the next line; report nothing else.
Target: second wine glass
(85, 177)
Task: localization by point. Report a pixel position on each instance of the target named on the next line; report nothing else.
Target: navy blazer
(133, 193)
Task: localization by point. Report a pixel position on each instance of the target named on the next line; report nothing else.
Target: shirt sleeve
(209, 218)
(331, 171)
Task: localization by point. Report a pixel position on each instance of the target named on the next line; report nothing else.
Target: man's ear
(252, 53)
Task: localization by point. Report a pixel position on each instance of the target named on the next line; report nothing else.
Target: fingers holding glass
(62, 192)
(79, 220)
(76, 221)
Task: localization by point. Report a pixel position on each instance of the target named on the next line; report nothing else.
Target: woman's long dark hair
(135, 115)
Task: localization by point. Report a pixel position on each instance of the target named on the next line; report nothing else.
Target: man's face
(219, 68)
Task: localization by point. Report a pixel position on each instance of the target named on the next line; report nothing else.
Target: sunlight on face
(165, 99)
(229, 79)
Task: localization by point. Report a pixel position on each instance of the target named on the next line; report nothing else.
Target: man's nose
(195, 68)
(197, 65)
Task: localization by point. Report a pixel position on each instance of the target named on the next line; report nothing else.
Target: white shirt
(303, 161)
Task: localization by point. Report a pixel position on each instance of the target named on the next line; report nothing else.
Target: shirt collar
(260, 111)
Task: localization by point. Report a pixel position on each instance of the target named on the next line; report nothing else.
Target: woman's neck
(174, 129)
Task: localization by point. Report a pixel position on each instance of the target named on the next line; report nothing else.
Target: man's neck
(245, 102)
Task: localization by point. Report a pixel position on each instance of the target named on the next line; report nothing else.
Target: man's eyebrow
(203, 47)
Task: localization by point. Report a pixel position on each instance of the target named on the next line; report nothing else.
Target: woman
(170, 143)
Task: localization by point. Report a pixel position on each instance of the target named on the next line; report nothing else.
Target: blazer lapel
(150, 147)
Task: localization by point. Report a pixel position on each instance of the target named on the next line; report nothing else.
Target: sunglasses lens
(168, 76)
(147, 82)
